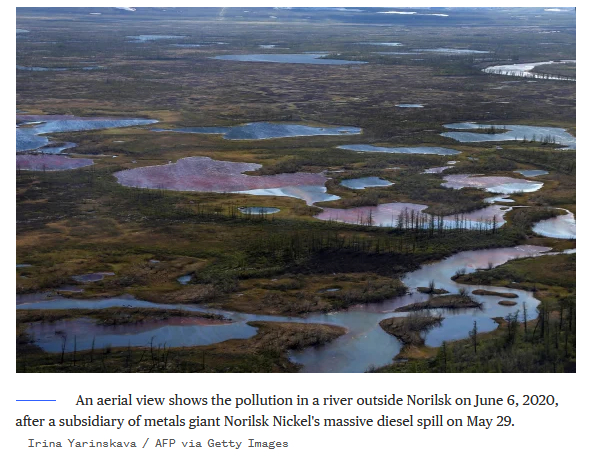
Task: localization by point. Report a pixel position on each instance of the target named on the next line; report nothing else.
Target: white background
(540, 433)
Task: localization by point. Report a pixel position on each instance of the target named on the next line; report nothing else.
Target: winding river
(525, 70)
(365, 343)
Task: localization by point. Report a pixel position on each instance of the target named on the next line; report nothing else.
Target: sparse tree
(473, 336)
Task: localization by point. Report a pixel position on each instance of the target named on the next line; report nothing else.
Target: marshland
(193, 199)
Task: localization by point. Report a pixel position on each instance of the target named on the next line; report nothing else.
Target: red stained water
(203, 174)
(387, 215)
(381, 215)
(50, 162)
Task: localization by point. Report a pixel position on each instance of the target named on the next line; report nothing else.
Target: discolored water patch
(203, 174)
(44, 162)
(410, 215)
(365, 342)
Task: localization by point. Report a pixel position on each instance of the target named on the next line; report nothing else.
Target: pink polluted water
(365, 344)
(400, 214)
(561, 227)
(47, 162)
(203, 174)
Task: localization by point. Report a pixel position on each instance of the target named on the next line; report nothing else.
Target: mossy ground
(82, 221)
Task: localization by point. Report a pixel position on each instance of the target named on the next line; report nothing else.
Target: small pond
(258, 210)
(531, 173)
(362, 183)
(184, 279)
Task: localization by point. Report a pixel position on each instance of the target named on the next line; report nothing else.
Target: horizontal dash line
(36, 400)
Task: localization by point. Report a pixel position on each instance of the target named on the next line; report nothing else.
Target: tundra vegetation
(80, 221)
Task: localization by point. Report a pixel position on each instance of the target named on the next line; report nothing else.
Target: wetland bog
(204, 183)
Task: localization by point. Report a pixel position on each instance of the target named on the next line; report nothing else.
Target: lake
(293, 58)
(398, 214)
(203, 174)
(267, 130)
(31, 137)
(400, 150)
(525, 70)
(513, 133)
(496, 184)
